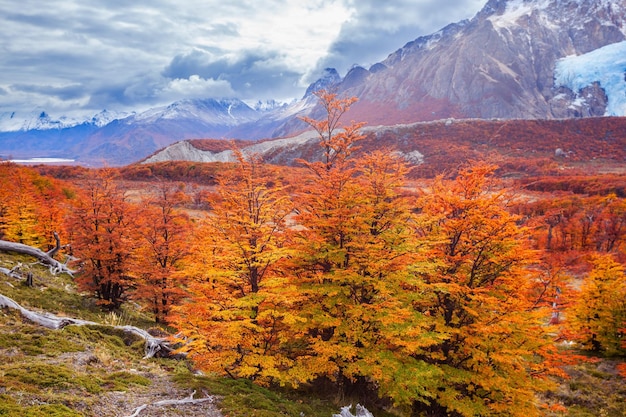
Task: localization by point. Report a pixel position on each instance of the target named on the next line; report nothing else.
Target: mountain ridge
(501, 64)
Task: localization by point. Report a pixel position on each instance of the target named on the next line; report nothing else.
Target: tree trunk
(55, 266)
(154, 345)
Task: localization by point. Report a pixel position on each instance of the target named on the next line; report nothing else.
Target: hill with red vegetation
(520, 147)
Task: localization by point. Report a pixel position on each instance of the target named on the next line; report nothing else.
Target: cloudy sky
(65, 56)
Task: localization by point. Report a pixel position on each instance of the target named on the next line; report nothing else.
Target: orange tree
(476, 297)
(32, 206)
(351, 250)
(18, 205)
(104, 237)
(237, 304)
(166, 231)
(599, 313)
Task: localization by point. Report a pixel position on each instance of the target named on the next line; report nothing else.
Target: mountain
(516, 59)
(501, 64)
(519, 147)
(13, 121)
(121, 139)
(127, 140)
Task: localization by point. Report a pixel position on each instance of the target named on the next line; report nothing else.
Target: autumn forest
(461, 293)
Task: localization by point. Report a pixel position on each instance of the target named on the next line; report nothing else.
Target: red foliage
(518, 147)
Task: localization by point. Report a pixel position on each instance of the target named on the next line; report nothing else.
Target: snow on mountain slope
(35, 120)
(606, 66)
(38, 119)
(229, 112)
(499, 64)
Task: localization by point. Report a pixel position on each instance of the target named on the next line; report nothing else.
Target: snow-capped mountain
(330, 77)
(117, 139)
(132, 138)
(39, 119)
(225, 112)
(12, 121)
(267, 105)
(516, 59)
(500, 64)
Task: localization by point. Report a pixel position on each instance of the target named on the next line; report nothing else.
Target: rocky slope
(519, 147)
(500, 64)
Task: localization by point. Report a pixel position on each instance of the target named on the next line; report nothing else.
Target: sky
(71, 56)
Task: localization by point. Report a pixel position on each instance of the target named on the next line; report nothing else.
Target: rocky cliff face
(500, 64)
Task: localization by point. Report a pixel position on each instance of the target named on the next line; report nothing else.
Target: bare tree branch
(55, 266)
(163, 403)
(153, 346)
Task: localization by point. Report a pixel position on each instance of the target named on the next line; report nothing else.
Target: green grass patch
(31, 377)
(104, 336)
(10, 408)
(33, 341)
(593, 390)
(242, 398)
(122, 381)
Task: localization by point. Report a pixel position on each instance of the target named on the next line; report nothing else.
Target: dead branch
(12, 273)
(57, 246)
(55, 266)
(163, 403)
(154, 345)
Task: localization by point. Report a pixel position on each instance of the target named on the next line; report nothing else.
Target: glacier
(606, 66)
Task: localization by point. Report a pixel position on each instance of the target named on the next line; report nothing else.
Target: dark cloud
(123, 55)
(250, 74)
(69, 92)
(111, 95)
(378, 29)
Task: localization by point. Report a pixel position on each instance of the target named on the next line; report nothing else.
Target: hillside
(519, 147)
(99, 371)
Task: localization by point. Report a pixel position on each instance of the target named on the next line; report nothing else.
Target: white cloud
(127, 54)
(196, 87)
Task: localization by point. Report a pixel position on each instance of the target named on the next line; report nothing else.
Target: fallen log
(153, 345)
(55, 266)
(163, 403)
(12, 273)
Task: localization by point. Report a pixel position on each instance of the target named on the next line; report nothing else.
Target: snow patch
(39, 119)
(606, 66)
(515, 9)
(414, 157)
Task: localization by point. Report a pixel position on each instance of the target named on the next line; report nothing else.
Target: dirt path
(125, 404)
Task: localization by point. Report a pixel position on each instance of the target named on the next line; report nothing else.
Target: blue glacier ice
(606, 65)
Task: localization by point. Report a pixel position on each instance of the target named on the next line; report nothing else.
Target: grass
(64, 372)
(47, 372)
(594, 389)
(9, 407)
(242, 398)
